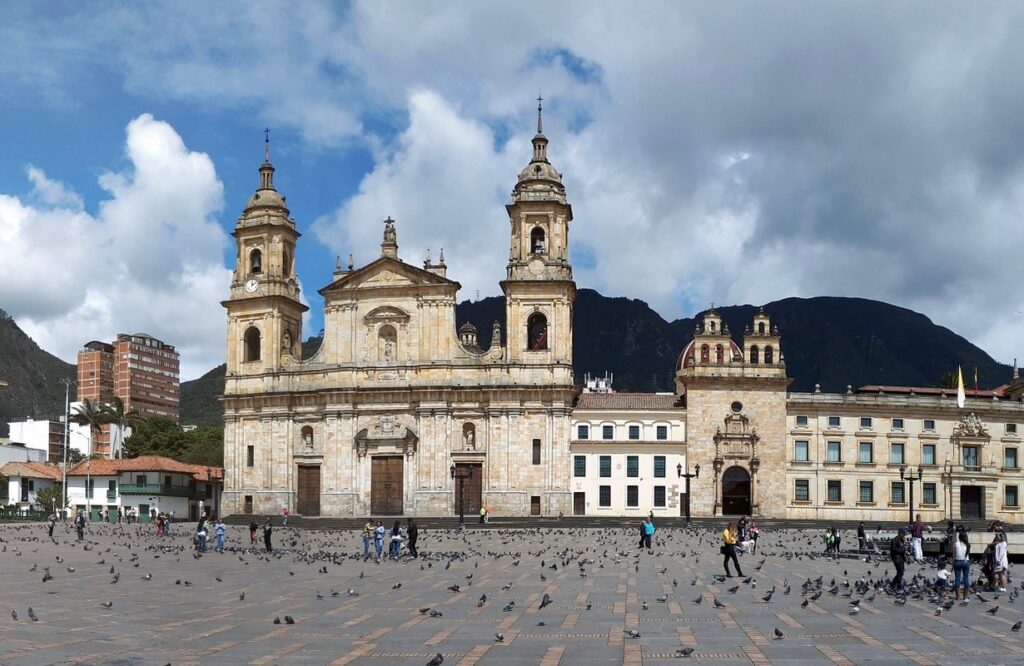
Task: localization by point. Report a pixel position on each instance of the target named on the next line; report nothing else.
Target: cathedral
(402, 411)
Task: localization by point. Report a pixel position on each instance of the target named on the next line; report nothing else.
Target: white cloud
(150, 259)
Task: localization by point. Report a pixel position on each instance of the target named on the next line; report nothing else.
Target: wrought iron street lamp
(688, 475)
(910, 479)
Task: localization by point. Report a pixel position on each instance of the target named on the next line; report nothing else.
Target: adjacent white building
(25, 479)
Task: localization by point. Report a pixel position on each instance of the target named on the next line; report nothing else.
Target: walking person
(413, 532)
(378, 539)
(643, 533)
(50, 523)
(898, 554)
(268, 530)
(729, 549)
(80, 525)
(1000, 561)
(119, 515)
(917, 537)
(367, 536)
(862, 537)
(253, 527)
(219, 529)
(284, 518)
(961, 567)
(649, 534)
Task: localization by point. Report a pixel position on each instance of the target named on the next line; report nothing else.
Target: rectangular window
(606, 467)
(604, 496)
(867, 491)
(634, 432)
(835, 491)
(579, 466)
(632, 496)
(1011, 428)
(659, 467)
(250, 455)
(607, 432)
(140, 479)
(866, 452)
(865, 422)
(583, 432)
(928, 454)
(536, 452)
(928, 493)
(834, 452)
(801, 452)
(929, 424)
(833, 422)
(971, 457)
(659, 496)
(896, 453)
(896, 494)
(633, 466)
(1010, 458)
(90, 485)
(802, 490)
(897, 424)
(661, 432)
(801, 421)
(1010, 496)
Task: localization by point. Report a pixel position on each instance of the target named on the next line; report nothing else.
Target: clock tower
(539, 289)
(264, 311)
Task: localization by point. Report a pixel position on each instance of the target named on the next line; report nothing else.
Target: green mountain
(829, 341)
(33, 377)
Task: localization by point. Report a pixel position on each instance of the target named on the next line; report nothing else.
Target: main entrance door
(971, 505)
(309, 491)
(386, 486)
(579, 504)
(736, 492)
(472, 486)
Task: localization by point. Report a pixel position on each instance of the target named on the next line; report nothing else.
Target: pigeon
(633, 633)
(241, 596)
(107, 604)
(147, 577)
(454, 588)
(500, 637)
(396, 586)
(32, 615)
(288, 619)
(804, 603)
(733, 589)
(352, 593)
(1016, 626)
(483, 600)
(437, 660)
(684, 652)
(546, 601)
(718, 604)
(14, 614)
(855, 610)
(778, 633)
(436, 613)
(993, 610)
(699, 599)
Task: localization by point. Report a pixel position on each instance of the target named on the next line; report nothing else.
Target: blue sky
(735, 154)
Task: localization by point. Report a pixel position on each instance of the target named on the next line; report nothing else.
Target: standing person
(483, 514)
(119, 515)
(168, 519)
(753, 531)
(252, 532)
(729, 549)
(898, 554)
(367, 536)
(862, 537)
(80, 525)
(917, 536)
(741, 529)
(219, 529)
(643, 533)
(961, 566)
(284, 517)
(413, 532)
(949, 542)
(201, 535)
(837, 540)
(378, 539)
(1000, 562)
(396, 540)
(648, 534)
(268, 530)
(50, 523)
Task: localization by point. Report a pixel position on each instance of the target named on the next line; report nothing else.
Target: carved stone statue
(286, 340)
(470, 440)
(307, 438)
(389, 350)
(390, 236)
(970, 426)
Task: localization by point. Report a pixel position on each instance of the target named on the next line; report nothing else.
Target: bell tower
(264, 311)
(539, 289)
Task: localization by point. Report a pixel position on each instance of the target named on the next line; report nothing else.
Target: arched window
(537, 332)
(768, 355)
(286, 265)
(307, 436)
(705, 354)
(754, 356)
(712, 325)
(760, 327)
(387, 344)
(256, 261)
(537, 244)
(252, 344)
(719, 354)
(469, 437)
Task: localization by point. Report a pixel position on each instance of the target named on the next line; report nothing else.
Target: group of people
(203, 532)
(268, 531)
(397, 536)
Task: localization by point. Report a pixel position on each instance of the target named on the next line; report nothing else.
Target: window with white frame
(634, 432)
(607, 432)
(583, 431)
(896, 456)
(833, 452)
(866, 452)
(801, 450)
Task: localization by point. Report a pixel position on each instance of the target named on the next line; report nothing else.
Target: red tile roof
(31, 470)
(929, 390)
(113, 467)
(628, 401)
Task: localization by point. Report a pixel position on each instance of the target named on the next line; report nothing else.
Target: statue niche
(387, 344)
(469, 437)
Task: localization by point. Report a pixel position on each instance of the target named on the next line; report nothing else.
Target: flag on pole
(975, 381)
(961, 395)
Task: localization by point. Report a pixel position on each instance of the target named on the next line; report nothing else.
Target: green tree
(50, 498)
(163, 437)
(90, 414)
(116, 415)
(948, 381)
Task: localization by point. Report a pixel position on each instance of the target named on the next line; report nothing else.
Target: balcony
(159, 489)
(111, 494)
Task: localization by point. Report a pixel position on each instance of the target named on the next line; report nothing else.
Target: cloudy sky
(736, 153)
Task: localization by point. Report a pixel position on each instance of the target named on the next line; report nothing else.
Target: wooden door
(308, 491)
(386, 486)
(472, 486)
(970, 503)
(579, 504)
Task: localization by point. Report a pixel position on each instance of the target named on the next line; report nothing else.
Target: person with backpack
(898, 554)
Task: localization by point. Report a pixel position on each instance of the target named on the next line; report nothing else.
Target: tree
(948, 381)
(116, 415)
(50, 498)
(92, 415)
(160, 436)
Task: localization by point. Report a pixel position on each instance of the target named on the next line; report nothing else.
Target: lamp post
(949, 490)
(462, 495)
(88, 489)
(910, 479)
(688, 475)
(67, 381)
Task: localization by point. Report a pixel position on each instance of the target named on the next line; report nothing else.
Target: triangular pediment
(387, 272)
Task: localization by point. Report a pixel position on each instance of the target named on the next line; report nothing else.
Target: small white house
(147, 484)
(25, 479)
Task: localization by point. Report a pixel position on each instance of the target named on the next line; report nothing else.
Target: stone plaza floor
(168, 607)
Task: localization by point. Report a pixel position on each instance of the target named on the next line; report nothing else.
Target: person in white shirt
(1001, 562)
(961, 566)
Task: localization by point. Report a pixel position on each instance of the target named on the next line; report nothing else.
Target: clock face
(252, 284)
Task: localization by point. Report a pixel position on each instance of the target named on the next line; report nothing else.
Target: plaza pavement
(189, 611)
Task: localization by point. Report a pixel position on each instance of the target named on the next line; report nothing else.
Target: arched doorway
(736, 492)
